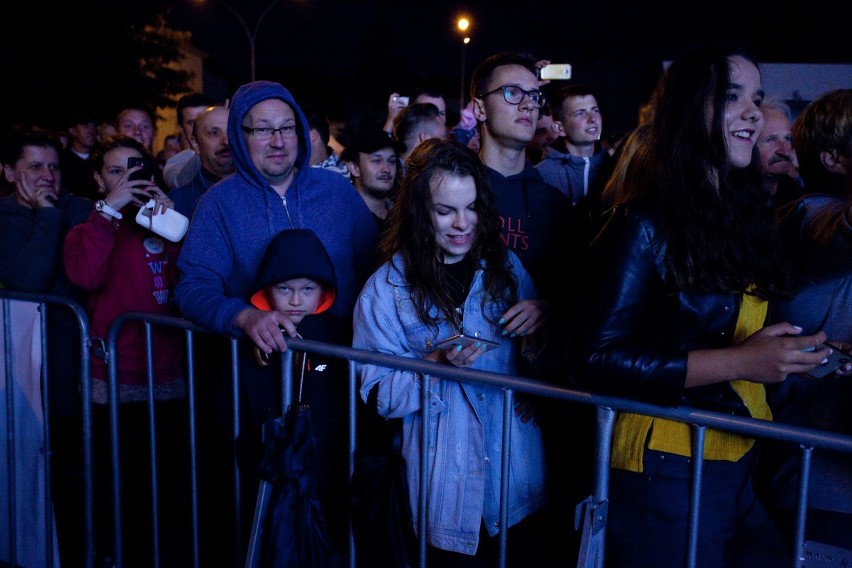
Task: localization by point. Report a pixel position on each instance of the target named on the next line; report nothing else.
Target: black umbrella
(294, 533)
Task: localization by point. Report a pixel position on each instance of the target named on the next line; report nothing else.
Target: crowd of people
(708, 250)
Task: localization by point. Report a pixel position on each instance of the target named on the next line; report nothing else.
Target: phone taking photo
(147, 171)
(555, 72)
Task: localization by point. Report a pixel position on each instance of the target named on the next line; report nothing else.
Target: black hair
(19, 137)
(560, 95)
(410, 117)
(483, 72)
(191, 100)
(317, 121)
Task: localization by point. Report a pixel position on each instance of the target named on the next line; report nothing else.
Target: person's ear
(101, 184)
(353, 168)
(833, 162)
(558, 129)
(314, 135)
(479, 110)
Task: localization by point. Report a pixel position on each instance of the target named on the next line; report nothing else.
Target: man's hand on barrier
(265, 328)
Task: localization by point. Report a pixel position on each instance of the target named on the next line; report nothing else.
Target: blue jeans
(649, 516)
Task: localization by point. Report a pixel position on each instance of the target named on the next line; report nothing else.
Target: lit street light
(251, 35)
(463, 24)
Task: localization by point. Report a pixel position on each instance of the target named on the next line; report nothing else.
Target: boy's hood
(295, 253)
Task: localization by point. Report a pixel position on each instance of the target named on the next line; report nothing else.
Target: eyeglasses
(513, 95)
(266, 133)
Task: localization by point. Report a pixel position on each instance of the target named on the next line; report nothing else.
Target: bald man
(209, 139)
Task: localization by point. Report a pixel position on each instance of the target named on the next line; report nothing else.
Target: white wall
(804, 81)
(801, 81)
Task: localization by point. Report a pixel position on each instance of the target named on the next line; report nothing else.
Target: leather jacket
(635, 327)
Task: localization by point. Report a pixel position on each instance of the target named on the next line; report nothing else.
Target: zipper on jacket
(287, 210)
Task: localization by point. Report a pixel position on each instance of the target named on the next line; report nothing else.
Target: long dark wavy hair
(409, 230)
(721, 234)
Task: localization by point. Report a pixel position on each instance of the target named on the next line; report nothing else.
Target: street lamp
(250, 35)
(463, 24)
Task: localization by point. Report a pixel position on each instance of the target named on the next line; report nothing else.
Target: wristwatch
(102, 207)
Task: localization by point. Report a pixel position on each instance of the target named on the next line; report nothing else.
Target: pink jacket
(125, 267)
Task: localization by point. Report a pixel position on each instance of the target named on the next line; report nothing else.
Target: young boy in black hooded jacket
(297, 278)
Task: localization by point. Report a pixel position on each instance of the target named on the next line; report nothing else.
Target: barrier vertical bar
(11, 479)
(695, 493)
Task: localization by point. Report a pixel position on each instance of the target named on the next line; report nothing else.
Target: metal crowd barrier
(12, 350)
(591, 512)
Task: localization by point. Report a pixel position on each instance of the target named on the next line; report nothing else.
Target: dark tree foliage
(97, 55)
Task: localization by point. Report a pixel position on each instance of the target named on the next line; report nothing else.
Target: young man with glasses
(535, 215)
(538, 224)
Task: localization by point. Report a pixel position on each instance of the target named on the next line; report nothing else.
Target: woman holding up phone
(447, 271)
(125, 267)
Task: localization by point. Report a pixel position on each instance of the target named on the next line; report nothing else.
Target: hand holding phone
(465, 340)
(836, 361)
(146, 173)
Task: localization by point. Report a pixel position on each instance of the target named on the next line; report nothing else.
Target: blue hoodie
(238, 216)
(577, 177)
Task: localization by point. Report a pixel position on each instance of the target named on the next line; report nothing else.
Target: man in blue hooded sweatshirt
(273, 189)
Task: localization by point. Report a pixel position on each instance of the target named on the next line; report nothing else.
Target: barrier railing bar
(807, 438)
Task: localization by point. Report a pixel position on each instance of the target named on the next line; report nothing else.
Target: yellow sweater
(631, 431)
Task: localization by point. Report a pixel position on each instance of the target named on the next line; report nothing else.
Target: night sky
(351, 55)
(344, 54)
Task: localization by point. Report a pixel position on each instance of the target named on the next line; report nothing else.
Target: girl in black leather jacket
(680, 278)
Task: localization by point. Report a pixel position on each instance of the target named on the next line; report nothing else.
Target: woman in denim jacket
(447, 271)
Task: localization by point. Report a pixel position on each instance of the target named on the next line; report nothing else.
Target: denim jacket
(466, 419)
